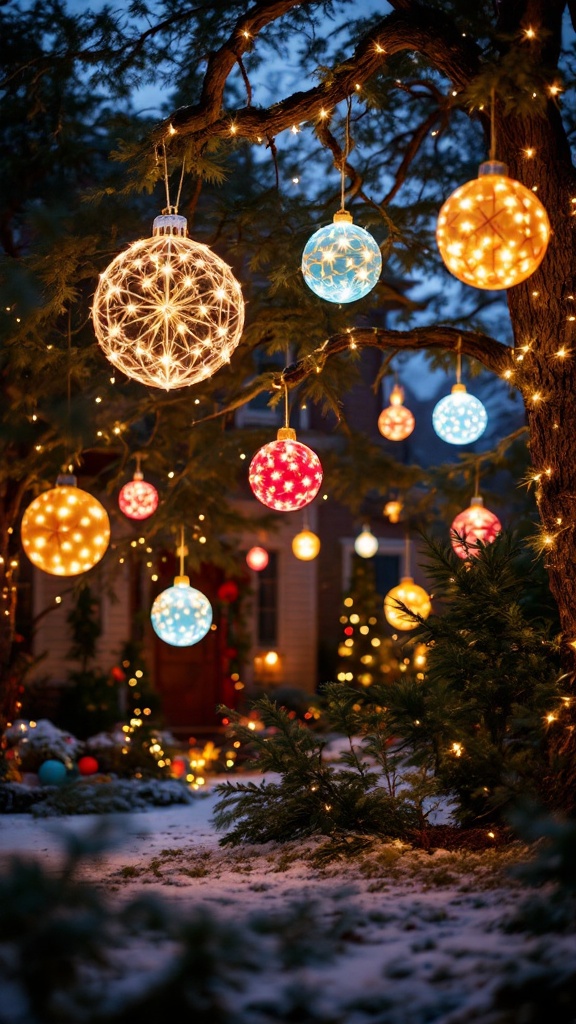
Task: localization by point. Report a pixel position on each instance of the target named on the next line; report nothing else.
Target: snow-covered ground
(391, 935)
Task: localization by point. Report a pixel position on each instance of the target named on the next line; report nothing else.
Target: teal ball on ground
(52, 773)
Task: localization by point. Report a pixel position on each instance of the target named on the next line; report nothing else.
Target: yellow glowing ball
(413, 597)
(65, 531)
(168, 312)
(492, 232)
(396, 422)
(393, 509)
(306, 545)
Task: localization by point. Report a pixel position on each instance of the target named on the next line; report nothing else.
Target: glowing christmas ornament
(65, 531)
(181, 615)
(285, 474)
(413, 597)
(168, 312)
(396, 422)
(341, 262)
(257, 559)
(459, 418)
(475, 523)
(492, 232)
(392, 509)
(306, 545)
(366, 544)
(138, 499)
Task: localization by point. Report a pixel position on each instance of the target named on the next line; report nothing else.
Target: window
(267, 602)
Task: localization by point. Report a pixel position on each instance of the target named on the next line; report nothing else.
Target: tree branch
(491, 353)
(420, 28)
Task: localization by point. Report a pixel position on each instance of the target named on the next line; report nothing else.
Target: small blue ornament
(181, 615)
(459, 418)
(341, 262)
(52, 773)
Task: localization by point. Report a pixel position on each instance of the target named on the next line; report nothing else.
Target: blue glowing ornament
(459, 418)
(341, 262)
(181, 615)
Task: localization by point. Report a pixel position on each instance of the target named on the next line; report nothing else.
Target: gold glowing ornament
(306, 545)
(393, 509)
(396, 422)
(492, 232)
(168, 312)
(408, 594)
(65, 531)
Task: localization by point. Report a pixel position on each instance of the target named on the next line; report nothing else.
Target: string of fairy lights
(168, 313)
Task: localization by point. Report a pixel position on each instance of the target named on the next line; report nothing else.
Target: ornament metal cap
(458, 387)
(477, 501)
(286, 434)
(181, 581)
(170, 224)
(138, 474)
(66, 480)
(492, 167)
(343, 217)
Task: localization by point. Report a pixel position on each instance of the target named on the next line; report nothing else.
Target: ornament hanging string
(406, 554)
(477, 479)
(169, 207)
(345, 155)
(492, 153)
(459, 359)
(286, 407)
(181, 551)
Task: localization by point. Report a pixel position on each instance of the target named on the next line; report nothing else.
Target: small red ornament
(257, 559)
(285, 474)
(138, 499)
(396, 422)
(474, 524)
(180, 766)
(118, 675)
(228, 592)
(88, 765)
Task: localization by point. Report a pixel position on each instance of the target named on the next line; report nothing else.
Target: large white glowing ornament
(341, 262)
(168, 312)
(459, 418)
(475, 523)
(413, 597)
(181, 615)
(396, 422)
(492, 232)
(65, 531)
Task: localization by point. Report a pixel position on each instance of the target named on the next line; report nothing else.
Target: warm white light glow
(413, 597)
(65, 531)
(168, 312)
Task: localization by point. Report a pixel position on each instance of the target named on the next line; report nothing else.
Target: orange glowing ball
(492, 232)
(474, 524)
(65, 531)
(396, 422)
(413, 597)
(257, 559)
(393, 509)
(306, 545)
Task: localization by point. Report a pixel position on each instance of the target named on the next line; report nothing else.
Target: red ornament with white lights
(257, 559)
(475, 523)
(285, 474)
(396, 422)
(138, 499)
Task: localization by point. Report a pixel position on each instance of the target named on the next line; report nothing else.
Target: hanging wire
(345, 154)
(477, 479)
(407, 554)
(166, 180)
(137, 457)
(492, 154)
(181, 550)
(286, 407)
(459, 359)
(180, 183)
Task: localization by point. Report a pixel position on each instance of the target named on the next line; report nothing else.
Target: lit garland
(168, 312)
(65, 531)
